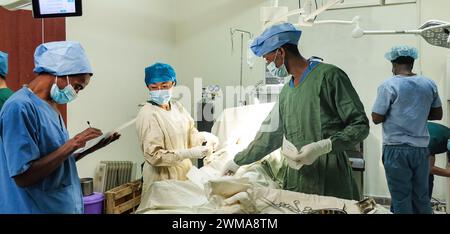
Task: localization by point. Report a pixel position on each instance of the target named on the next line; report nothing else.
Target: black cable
(300, 4)
(317, 7)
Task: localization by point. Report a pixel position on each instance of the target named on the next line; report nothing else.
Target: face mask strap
(276, 55)
(67, 78)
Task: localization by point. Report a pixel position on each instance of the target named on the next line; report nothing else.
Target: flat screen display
(56, 8)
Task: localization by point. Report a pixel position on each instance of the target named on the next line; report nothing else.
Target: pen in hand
(89, 124)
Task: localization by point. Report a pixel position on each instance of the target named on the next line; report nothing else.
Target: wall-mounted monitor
(56, 8)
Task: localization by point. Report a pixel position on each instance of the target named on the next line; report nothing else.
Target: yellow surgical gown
(161, 133)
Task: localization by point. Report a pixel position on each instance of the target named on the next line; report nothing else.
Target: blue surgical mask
(161, 97)
(277, 71)
(63, 96)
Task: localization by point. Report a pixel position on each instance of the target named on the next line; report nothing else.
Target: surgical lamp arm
(334, 22)
(313, 15)
(300, 11)
(388, 32)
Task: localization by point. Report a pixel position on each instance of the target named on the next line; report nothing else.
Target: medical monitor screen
(56, 8)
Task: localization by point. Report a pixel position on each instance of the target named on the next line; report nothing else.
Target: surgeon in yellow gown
(166, 132)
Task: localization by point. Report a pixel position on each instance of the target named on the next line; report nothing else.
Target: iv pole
(242, 32)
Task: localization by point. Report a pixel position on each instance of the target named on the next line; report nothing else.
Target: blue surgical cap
(3, 64)
(275, 37)
(159, 72)
(61, 59)
(402, 51)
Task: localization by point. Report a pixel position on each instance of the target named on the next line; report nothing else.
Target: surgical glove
(245, 201)
(211, 140)
(230, 168)
(196, 152)
(288, 149)
(242, 198)
(310, 153)
(293, 164)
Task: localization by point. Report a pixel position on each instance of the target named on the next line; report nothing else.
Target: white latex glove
(310, 153)
(289, 151)
(242, 198)
(293, 164)
(211, 140)
(230, 168)
(196, 152)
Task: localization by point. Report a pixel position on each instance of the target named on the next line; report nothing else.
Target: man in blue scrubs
(404, 104)
(38, 173)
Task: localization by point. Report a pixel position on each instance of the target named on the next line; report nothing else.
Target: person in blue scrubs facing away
(38, 173)
(404, 104)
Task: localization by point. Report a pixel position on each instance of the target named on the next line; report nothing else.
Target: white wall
(121, 39)
(204, 44)
(203, 47)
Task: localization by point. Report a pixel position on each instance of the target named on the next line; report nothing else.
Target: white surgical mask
(277, 71)
(63, 96)
(161, 97)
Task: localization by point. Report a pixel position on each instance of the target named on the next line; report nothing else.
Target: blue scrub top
(406, 102)
(30, 129)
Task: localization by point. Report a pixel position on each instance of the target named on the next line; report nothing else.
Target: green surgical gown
(324, 105)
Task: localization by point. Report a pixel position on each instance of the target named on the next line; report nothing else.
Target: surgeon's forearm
(440, 171)
(163, 158)
(377, 118)
(44, 166)
(349, 137)
(260, 147)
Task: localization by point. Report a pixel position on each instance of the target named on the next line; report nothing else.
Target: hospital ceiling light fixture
(308, 14)
(435, 32)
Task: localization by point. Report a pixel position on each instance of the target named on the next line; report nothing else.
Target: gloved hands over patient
(211, 140)
(307, 155)
(293, 164)
(290, 152)
(230, 168)
(244, 199)
(195, 152)
(310, 153)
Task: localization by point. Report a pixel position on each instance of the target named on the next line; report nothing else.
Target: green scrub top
(5, 93)
(439, 135)
(324, 105)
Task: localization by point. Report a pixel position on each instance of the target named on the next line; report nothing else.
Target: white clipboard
(95, 141)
